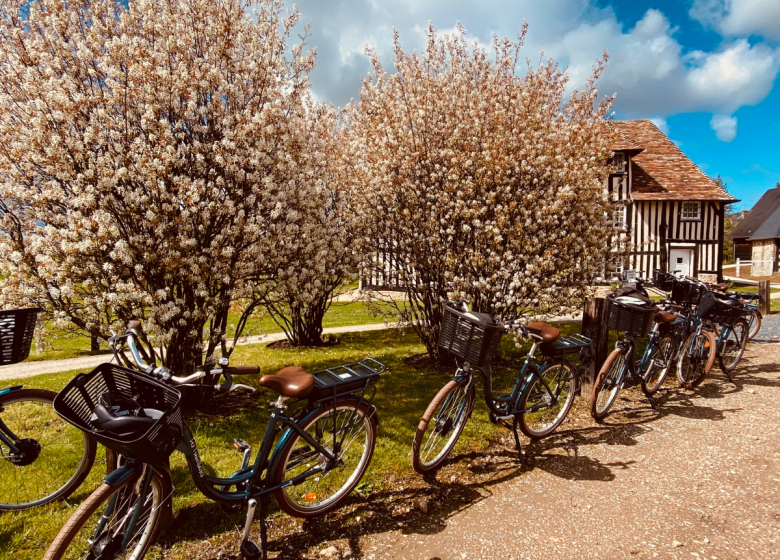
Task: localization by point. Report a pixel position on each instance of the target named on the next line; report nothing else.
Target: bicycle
(323, 452)
(726, 317)
(541, 398)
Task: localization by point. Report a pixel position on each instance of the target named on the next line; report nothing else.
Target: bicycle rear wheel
(354, 424)
(734, 346)
(547, 412)
(696, 358)
(98, 527)
(441, 426)
(607, 385)
(658, 364)
(54, 457)
(755, 323)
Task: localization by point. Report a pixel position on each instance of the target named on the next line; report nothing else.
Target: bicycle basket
(630, 319)
(76, 402)
(720, 310)
(473, 337)
(686, 293)
(17, 327)
(663, 280)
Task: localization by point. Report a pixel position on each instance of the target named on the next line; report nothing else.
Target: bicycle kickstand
(729, 376)
(249, 550)
(517, 442)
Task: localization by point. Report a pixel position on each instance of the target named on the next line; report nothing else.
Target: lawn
(67, 345)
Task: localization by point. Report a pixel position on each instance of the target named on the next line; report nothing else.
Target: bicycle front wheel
(755, 323)
(349, 432)
(441, 426)
(734, 346)
(607, 385)
(546, 409)
(696, 358)
(658, 364)
(118, 522)
(53, 457)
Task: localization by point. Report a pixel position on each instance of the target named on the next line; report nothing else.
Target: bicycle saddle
(292, 381)
(664, 317)
(547, 332)
(721, 287)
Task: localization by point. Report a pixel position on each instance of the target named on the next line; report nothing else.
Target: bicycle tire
(756, 324)
(611, 365)
(652, 384)
(453, 426)
(699, 373)
(65, 470)
(738, 336)
(524, 421)
(292, 499)
(90, 510)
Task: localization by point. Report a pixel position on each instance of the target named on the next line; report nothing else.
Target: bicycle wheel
(355, 432)
(734, 346)
(696, 358)
(658, 364)
(547, 412)
(97, 528)
(755, 323)
(441, 426)
(55, 456)
(607, 385)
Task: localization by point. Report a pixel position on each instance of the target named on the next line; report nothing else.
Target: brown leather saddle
(292, 381)
(547, 332)
(664, 317)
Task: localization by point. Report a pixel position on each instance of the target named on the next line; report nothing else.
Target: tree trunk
(594, 326)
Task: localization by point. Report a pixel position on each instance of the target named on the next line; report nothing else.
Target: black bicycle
(541, 397)
(323, 450)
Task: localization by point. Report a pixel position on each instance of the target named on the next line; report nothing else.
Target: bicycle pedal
(250, 551)
(240, 445)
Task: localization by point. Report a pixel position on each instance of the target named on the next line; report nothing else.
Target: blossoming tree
(148, 154)
(480, 179)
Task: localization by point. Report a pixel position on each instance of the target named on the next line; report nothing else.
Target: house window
(615, 267)
(691, 210)
(619, 160)
(619, 216)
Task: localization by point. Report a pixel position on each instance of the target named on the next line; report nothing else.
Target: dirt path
(696, 479)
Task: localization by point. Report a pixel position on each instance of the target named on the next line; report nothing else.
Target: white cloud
(740, 17)
(725, 127)
(662, 125)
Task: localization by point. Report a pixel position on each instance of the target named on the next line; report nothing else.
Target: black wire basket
(473, 337)
(630, 319)
(686, 293)
(723, 311)
(663, 280)
(76, 402)
(17, 327)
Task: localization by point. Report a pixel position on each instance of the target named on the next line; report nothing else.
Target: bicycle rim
(550, 410)
(696, 357)
(441, 426)
(355, 435)
(98, 528)
(58, 456)
(658, 364)
(734, 346)
(755, 324)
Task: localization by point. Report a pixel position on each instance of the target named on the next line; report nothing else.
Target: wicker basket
(720, 310)
(17, 327)
(76, 402)
(663, 280)
(473, 337)
(630, 319)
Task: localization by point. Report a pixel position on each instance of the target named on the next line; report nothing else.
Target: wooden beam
(594, 326)
(763, 297)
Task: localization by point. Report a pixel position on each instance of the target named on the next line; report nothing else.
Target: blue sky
(706, 71)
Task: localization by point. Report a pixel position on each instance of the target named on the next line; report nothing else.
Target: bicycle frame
(7, 437)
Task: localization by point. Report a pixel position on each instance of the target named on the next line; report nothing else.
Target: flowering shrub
(482, 180)
(151, 162)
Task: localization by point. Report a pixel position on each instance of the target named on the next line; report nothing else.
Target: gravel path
(698, 478)
(770, 329)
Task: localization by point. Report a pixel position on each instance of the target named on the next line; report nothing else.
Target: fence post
(738, 276)
(594, 326)
(764, 295)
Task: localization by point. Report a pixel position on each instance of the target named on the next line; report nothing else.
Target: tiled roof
(662, 171)
(623, 144)
(763, 221)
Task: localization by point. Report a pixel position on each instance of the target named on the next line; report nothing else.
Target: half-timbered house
(667, 212)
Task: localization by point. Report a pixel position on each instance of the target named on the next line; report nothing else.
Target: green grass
(69, 345)
(402, 396)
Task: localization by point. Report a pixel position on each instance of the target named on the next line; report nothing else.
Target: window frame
(619, 209)
(699, 207)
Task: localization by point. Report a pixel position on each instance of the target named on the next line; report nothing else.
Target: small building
(757, 237)
(669, 214)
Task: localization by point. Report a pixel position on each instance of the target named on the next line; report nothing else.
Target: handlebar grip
(134, 325)
(244, 370)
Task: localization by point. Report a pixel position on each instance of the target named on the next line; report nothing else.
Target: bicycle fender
(118, 476)
(13, 389)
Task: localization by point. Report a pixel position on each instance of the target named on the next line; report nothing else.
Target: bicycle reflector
(310, 497)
